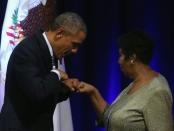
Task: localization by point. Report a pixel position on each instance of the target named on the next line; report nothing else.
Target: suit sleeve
(158, 112)
(36, 83)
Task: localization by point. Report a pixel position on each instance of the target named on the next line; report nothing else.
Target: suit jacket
(31, 90)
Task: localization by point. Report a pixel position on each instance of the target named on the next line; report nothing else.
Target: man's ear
(59, 32)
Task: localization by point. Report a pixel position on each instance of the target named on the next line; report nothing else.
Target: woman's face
(125, 64)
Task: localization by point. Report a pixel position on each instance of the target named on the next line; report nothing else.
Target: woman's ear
(133, 58)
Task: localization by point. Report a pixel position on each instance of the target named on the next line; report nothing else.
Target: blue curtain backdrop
(96, 61)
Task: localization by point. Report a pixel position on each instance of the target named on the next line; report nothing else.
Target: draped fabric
(2, 13)
(96, 60)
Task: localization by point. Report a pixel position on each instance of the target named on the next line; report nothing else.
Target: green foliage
(15, 17)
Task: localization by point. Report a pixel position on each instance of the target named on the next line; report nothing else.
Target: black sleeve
(33, 81)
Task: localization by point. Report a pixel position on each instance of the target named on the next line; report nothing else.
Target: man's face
(67, 44)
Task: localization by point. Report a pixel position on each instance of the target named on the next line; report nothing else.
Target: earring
(132, 61)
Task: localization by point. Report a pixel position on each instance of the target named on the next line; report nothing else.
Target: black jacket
(31, 90)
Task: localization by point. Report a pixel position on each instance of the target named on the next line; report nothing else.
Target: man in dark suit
(34, 85)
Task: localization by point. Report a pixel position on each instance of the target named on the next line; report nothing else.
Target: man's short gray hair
(71, 22)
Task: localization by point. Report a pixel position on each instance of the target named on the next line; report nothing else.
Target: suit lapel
(44, 50)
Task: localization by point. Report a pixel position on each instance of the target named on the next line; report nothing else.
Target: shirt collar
(48, 44)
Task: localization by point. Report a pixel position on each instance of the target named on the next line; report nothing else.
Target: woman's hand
(98, 101)
(86, 88)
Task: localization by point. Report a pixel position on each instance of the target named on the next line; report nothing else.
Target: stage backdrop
(96, 61)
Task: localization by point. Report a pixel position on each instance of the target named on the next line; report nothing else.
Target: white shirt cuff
(57, 72)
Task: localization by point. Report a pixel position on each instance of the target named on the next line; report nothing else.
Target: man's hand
(72, 84)
(63, 75)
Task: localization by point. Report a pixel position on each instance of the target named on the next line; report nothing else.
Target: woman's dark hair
(137, 43)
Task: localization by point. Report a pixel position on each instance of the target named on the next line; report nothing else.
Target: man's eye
(75, 45)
